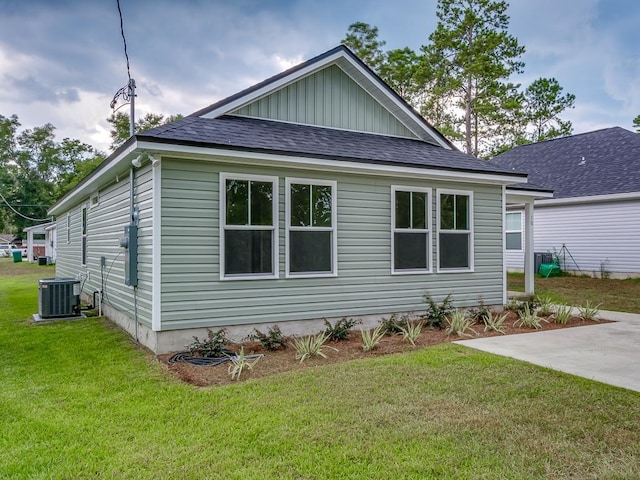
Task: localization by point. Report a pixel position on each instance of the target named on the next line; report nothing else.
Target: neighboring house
(39, 240)
(595, 212)
(316, 193)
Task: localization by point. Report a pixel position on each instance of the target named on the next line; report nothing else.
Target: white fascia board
(93, 182)
(521, 196)
(314, 67)
(402, 106)
(340, 166)
(270, 87)
(614, 197)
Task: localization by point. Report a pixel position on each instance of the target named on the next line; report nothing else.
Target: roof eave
(272, 158)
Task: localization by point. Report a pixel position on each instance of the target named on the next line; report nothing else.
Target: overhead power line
(20, 214)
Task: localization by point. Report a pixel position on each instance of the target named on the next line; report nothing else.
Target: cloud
(28, 90)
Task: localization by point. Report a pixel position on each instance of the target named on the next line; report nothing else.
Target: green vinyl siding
(328, 98)
(194, 296)
(105, 222)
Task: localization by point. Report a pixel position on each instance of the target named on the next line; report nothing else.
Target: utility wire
(21, 215)
(124, 40)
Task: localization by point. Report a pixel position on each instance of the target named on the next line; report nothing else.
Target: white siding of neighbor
(606, 232)
(194, 297)
(106, 220)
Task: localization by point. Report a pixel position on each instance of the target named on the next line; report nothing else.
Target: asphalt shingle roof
(595, 163)
(258, 135)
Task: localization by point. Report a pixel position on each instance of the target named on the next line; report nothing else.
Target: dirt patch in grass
(275, 362)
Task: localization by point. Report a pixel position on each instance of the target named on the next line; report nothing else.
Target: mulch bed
(279, 361)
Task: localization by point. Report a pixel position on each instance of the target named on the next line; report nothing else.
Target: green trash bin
(17, 256)
(549, 270)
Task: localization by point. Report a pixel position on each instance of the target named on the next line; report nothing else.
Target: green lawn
(79, 400)
(617, 295)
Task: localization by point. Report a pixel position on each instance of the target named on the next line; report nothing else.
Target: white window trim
(222, 185)
(428, 230)
(470, 231)
(84, 235)
(520, 231)
(333, 228)
(94, 201)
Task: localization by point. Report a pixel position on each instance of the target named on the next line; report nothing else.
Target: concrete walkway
(608, 353)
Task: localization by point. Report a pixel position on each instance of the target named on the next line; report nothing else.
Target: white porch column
(529, 274)
(30, 246)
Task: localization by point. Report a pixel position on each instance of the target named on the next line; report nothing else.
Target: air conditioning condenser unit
(59, 297)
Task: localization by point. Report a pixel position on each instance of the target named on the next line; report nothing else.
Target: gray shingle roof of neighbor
(595, 163)
(266, 136)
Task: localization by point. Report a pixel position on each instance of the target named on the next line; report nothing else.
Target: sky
(62, 61)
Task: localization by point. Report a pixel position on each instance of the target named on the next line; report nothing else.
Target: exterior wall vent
(59, 297)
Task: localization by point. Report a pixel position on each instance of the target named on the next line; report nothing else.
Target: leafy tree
(120, 128)
(401, 70)
(472, 57)
(362, 38)
(35, 171)
(543, 103)
(636, 124)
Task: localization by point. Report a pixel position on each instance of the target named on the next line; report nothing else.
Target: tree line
(36, 170)
(462, 79)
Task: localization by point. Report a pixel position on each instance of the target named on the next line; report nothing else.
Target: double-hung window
(311, 228)
(84, 236)
(411, 236)
(249, 216)
(455, 230)
(513, 231)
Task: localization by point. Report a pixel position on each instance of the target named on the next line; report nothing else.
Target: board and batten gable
(327, 98)
(603, 234)
(108, 212)
(193, 296)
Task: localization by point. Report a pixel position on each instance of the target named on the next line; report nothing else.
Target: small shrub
(546, 306)
(393, 324)
(529, 318)
(311, 346)
(589, 312)
(411, 332)
(371, 338)
(436, 315)
(492, 323)
(272, 340)
(240, 362)
(480, 312)
(212, 346)
(518, 305)
(562, 314)
(341, 329)
(459, 324)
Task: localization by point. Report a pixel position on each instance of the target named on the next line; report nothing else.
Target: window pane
(84, 250)
(300, 200)
(446, 212)
(248, 251)
(514, 221)
(321, 203)
(237, 202)
(261, 203)
(454, 250)
(419, 210)
(310, 251)
(403, 209)
(514, 241)
(462, 212)
(84, 221)
(410, 251)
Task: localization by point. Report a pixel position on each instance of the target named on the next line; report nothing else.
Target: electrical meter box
(130, 243)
